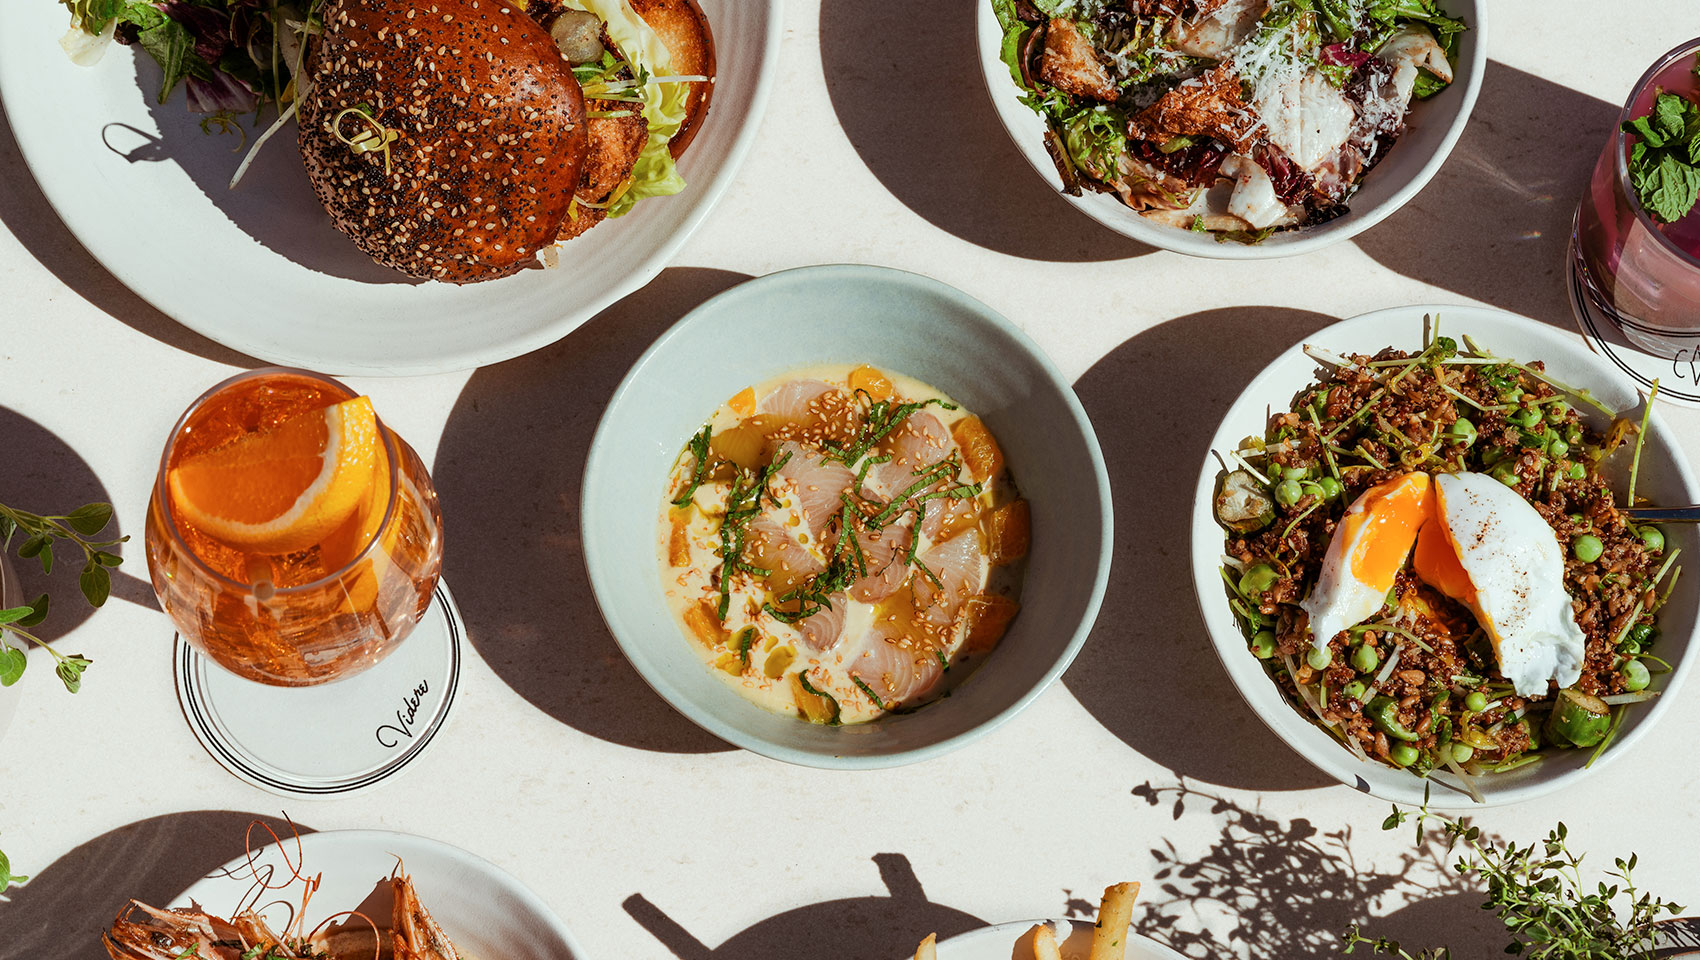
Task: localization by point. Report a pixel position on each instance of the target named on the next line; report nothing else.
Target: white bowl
(1434, 126)
(896, 321)
(1665, 478)
(261, 268)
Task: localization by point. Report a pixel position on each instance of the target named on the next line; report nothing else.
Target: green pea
(1578, 471)
(1557, 447)
(1462, 753)
(1505, 471)
(1492, 455)
(1511, 394)
(1403, 754)
(1288, 492)
(1319, 659)
(1263, 644)
(1331, 488)
(1365, 659)
(1295, 473)
(1572, 434)
(1527, 417)
(1311, 489)
(1636, 676)
(1462, 431)
(1354, 691)
(1628, 647)
(1557, 411)
(1258, 578)
(1653, 537)
(1587, 548)
(1476, 702)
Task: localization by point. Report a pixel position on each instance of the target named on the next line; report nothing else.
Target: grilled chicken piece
(1069, 63)
(615, 143)
(1207, 105)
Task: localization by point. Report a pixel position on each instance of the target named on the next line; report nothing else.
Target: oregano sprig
(1537, 891)
(81, 528)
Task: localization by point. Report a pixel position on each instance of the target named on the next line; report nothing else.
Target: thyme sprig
(1537, 891)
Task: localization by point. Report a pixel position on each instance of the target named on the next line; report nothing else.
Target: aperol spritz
(292, 537)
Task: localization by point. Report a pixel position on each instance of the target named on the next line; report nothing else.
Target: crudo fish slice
(960, 566)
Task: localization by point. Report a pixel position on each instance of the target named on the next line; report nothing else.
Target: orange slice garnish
(284, 489)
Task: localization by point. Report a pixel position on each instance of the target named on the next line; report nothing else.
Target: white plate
(1434, 126)
(1009, 941)
(1664, 478)
(484, 911)
(261, 269)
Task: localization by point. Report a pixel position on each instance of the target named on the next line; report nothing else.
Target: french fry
(928, 950)
(1115, 915)
(1045, 943)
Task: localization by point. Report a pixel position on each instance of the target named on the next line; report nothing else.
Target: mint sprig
(1664, 163)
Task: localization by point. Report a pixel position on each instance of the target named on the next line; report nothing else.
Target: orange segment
(704, 620)
(743, 403)
(980, 453)
(872, 382)
(985, 617)
(678, 539)
(1009, 532)
(287, 488)
(746, 443)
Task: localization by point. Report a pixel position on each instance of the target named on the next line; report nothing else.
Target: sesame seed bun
(490, 134)
(683, 28)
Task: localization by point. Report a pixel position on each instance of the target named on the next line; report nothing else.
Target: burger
(462, 140)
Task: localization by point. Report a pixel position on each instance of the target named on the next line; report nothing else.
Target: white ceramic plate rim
(996, 942)
(1247, 673)
(1000, 88)
(663, 685)
(213, 891)
(107, 245)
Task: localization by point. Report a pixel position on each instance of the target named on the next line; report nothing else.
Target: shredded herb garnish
(699, 451)
(871, 694)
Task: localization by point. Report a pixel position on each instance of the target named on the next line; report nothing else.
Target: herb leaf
(1664, 163)
(12, 664)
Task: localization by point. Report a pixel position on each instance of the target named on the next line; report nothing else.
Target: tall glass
(1643, 274)
(312, 616)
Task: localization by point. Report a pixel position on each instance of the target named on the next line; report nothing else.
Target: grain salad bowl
(1665, 478)
(894, 321)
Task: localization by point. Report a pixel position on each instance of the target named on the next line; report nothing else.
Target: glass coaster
(335, 738)
(1674, 360)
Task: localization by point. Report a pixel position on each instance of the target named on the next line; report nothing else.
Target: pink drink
(1642, 273)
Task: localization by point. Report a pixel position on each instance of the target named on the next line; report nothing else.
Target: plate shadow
(1148, 672)
(44, 475)
(1495, 223)
(509, 470)
(906, 83)
(25, 211)
(888, 926)
(61, 913)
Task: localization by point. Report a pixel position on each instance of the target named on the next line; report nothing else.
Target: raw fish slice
(825, 630)
(960, 565)
(796, 400)
(772, 547)
(897, 659)
(948, 517)
(818, 486)
(918, 442)
(886, 553)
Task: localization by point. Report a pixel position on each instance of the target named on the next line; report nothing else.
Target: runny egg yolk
(1382, 525)
(1437, 560)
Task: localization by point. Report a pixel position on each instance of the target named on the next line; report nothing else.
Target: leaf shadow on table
(1495, 223)
(1148, 672)
(509, 468)
(25, 211)
(61, 913)
(274, 203)
(906, 85)
(873, 927)
(1272, 889)
(45, 475)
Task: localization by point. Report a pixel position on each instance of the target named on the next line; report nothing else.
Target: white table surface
(559, 765)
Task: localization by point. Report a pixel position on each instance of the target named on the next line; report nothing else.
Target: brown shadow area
(45, 476)
(870, 927)
(27, 214)
(1149, 673)
(1495, 222)
(509, 469)
(1271, 889)
(906, 83)
(61, 912)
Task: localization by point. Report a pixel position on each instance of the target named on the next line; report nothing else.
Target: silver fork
(1665, 514)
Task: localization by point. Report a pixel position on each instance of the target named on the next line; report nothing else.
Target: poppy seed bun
(683, 29)
(490, 124)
